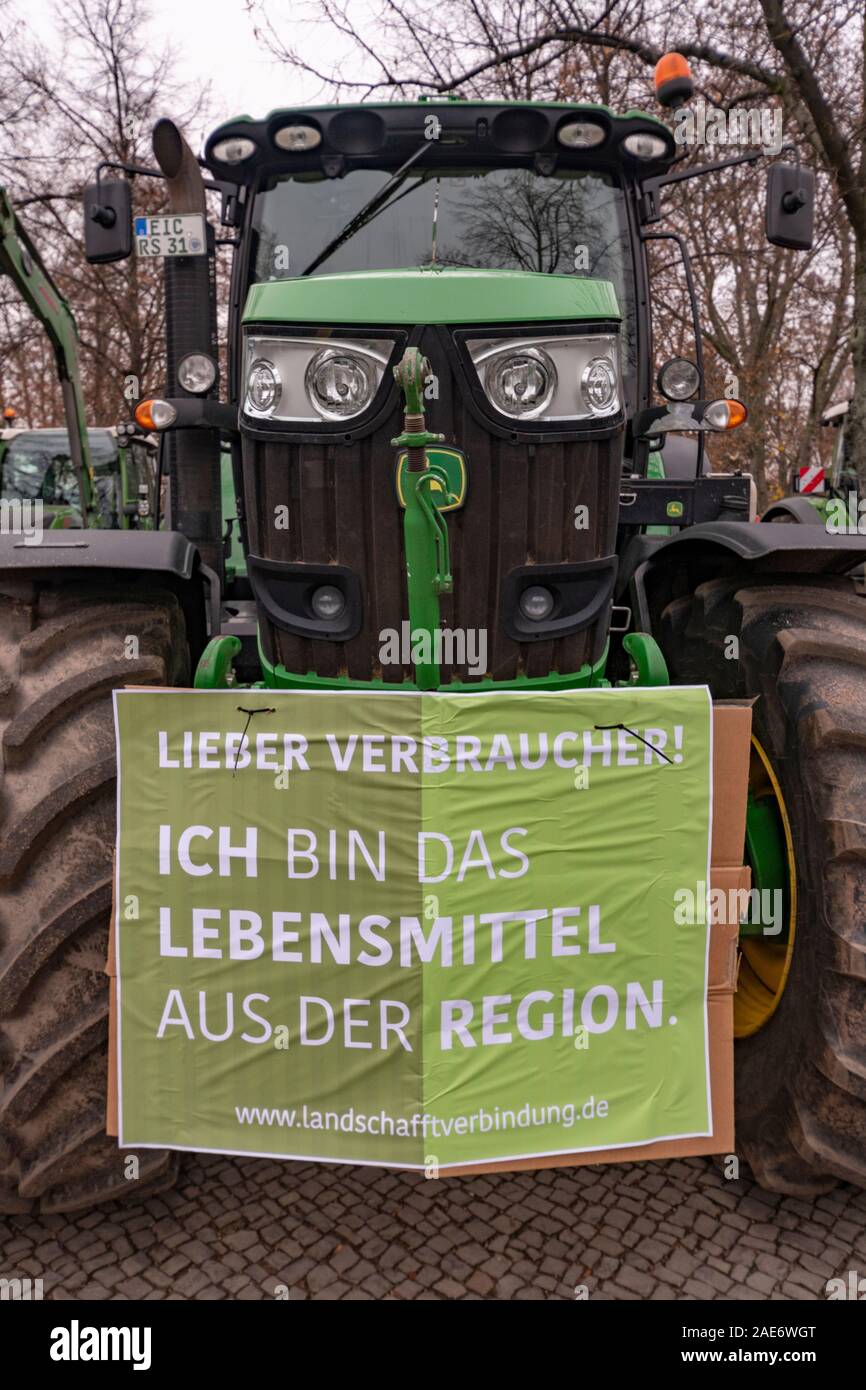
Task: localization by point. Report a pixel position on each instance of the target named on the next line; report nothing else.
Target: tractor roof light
(235, 150)
(520, 130)
(297, 137)
(672, 80)
(642, 145)
(581, 135)
(725, 414)
(196, 373)
(155, 414)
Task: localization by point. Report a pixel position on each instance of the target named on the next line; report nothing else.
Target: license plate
(170, 234)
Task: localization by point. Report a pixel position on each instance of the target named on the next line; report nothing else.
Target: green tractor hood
(431, 295)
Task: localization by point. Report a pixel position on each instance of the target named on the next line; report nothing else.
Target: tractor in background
(837, 484)
(37, 465)
(61, 466)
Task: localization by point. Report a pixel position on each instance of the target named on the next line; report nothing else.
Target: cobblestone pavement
(255, 1229)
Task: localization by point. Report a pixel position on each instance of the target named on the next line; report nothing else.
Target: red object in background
(812, 479)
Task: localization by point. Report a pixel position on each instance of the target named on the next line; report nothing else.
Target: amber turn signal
(725, 415)
(155, 414)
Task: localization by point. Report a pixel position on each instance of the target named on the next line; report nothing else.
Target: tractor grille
(519, 510)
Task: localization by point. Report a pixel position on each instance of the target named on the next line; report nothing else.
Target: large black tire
(62, 652)
(800, 1081)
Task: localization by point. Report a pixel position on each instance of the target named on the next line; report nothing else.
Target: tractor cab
(37, 466)
(478, 200)
(843, 472)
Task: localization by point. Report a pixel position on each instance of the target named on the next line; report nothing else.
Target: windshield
(38, 465)
(572, 223)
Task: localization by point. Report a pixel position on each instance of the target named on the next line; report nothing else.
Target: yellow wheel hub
(764, 963)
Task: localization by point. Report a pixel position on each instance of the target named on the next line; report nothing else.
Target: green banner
(419, 930)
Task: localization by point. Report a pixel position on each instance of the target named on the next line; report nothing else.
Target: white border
(380, 1163)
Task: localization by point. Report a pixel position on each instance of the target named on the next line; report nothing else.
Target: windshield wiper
(367, 212)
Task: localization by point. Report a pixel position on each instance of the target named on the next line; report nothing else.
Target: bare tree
(98, 91)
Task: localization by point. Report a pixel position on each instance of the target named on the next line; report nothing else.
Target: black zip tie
(262, 709)
(636, 735)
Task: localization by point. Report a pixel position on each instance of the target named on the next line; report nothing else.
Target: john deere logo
(454, 464)
(675, 509)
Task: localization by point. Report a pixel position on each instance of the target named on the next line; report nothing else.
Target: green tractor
(37, 465)
(836, 505)
(443, 414)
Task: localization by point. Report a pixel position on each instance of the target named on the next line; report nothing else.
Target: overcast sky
(213, 40)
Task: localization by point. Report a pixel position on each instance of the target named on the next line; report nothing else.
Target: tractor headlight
(678, 379)
(520, 383)
(566, 378)
(340, 384)
(598, 385)
(263, 387)
(299, 380)
(196, 373)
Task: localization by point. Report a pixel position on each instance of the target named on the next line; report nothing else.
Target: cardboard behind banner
(732, 727)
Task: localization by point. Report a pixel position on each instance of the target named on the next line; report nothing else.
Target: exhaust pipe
(190, 326)
(181, 168)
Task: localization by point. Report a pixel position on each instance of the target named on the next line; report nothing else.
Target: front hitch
(425, 533)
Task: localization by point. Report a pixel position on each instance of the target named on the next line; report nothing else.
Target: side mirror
(107, 221)
(790, 212)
